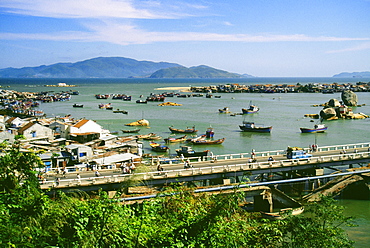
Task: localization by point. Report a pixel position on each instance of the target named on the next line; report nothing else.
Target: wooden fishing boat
(318, 128)
(175, 140)
(120, 111)
(158, 147)
(188, 151)
(251, 109)
(131, 131)
(78, 105)
(150, 136)
(283, 213)
(225, 110)
(208, 142)
(102, 96)
(105, 106)
(187, 130)
(251, 127)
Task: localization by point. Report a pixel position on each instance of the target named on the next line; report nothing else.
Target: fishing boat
(188, 151)
(207, 142)
(158, 147)
(225, 110)
(175, 140)
(251, 127)
(149, 136)
(251, 110)
(318, 128)
(283, 213)
(78, 105)
(141, 101)
(120, 111)
(102, 96)
(105, 106)
(187, 130)
(131, 131)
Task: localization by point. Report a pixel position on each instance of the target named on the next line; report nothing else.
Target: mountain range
(120, 67)
(364, 74)
(116, 67)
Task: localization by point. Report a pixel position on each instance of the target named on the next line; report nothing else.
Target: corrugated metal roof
(115, 158)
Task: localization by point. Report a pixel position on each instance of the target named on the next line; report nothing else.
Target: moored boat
(120, 111)
(283, 213)
(158, 147)
(207, 142)
(187, 130)
(175, 140)
(318, 128)
(78, 105)
(251, 127)
(149, 136)
(224, 110)
(131, 131)
(188, 151)
(251, 109)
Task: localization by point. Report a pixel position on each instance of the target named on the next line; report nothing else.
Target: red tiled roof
(80, 123)
(25, 127)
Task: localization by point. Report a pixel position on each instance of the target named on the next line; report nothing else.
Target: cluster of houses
(282, 88)
(69, 143)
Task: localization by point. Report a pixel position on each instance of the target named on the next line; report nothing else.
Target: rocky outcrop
(349, 98)
(328, 113)
(333, 103)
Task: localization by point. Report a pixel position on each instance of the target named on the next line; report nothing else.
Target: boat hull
(192, 154)
(175, 130)
(313, 130)
(208, 142)
(256, 129)
(247, 111)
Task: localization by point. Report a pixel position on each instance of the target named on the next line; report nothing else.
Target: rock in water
(349, 98)
(328, 113)
(334, 103)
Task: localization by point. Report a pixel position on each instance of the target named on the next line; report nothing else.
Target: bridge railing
(346, 147)
(205, 170)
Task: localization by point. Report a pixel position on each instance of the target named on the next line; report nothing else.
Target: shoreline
(181, 89)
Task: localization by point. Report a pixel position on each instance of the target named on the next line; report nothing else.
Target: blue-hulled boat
(251, 127)
(318, 128)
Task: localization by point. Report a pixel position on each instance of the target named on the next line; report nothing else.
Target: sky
(263, 38)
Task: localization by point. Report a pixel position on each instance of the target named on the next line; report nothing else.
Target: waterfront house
(86, 130)
(34, 131)
(7, 135)
(14, 122)
(53, 160)
(61, 129)
(79, 153)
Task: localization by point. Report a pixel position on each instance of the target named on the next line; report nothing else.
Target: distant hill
(102, 67)
(117, 67)
(201, 71)
(364, 74)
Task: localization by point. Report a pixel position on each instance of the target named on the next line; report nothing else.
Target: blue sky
(264, 38)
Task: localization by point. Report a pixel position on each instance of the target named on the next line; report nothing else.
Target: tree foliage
(31, 219)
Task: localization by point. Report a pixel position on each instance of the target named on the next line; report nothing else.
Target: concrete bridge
(220, 167)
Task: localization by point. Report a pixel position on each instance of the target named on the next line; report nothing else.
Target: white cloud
(360, 47)
(125, 34)
(80, 9)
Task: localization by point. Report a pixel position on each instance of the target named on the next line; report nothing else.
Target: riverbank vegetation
(29, 218)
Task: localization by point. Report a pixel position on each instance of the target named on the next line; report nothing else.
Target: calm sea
(284, 111)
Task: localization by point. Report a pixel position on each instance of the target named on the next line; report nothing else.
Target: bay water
(283, 111)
